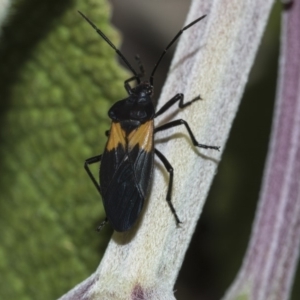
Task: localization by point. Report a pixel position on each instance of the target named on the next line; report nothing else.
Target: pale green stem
(213, 59)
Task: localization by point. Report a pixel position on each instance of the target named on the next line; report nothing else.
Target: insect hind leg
(88, 162)
(102, 224)
(170, 170)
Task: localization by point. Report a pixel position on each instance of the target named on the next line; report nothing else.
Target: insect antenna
(170, 44)
(112, 45)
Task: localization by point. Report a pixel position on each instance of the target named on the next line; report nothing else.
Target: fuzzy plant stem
(213, 58)
(269, 266)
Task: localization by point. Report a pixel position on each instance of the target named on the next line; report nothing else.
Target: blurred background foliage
(58, 79)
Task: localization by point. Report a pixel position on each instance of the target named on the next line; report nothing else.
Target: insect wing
(125, 173)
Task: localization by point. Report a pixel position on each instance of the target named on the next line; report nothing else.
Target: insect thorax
(137, 107)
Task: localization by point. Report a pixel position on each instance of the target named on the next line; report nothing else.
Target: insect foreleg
(176, 98)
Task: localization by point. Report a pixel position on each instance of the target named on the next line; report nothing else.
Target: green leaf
(58, 79)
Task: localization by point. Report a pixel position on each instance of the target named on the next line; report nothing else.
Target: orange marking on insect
(143, 136)
(116, 137)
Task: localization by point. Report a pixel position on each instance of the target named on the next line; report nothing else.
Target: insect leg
(127, 85)
(88, 162)
(102, 224)
(176, 98)
(183, 122)
(170, 170)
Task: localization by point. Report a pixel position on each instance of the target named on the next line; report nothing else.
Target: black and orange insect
(127, 161)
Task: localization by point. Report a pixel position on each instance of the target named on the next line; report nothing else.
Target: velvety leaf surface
(58, 79)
